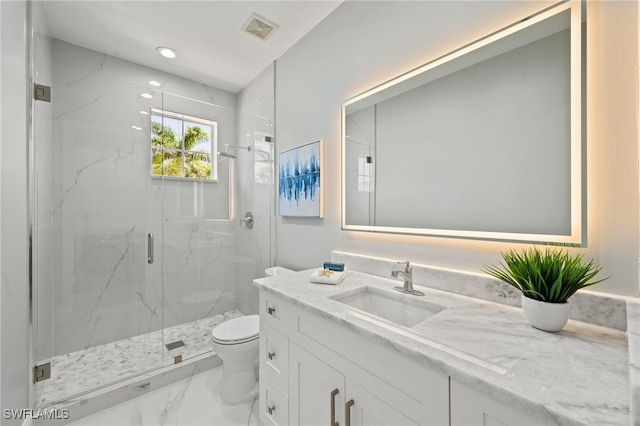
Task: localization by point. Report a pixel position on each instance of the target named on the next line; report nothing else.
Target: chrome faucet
(407, 275)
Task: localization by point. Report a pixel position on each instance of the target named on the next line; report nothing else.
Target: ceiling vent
(259, 27)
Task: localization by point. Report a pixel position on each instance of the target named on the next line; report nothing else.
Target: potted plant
(547, 279)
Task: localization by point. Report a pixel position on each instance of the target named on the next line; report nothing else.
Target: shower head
(227, 154)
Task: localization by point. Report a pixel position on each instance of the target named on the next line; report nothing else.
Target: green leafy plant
(550, 276)
(173, 156)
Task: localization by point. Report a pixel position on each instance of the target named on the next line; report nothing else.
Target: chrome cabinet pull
(333, 408)
(347, 412)
(271, 355)
(271, 310)
(150, 248)
(271, 409)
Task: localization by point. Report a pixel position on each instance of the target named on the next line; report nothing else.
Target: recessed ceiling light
(155, 83)
(146, 95)
(144, 113)
(167, 52)
(136, 127)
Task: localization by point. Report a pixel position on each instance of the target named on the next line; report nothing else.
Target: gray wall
(14, 343)
(362, 44)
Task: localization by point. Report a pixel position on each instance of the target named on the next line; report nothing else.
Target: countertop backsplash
(586, 306)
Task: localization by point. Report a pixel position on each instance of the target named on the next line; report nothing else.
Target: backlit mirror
(485, 142)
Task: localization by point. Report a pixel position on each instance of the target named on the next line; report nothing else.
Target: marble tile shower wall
(96, 202)
(255, 177)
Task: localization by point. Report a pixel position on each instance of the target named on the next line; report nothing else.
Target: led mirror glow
(482, 143)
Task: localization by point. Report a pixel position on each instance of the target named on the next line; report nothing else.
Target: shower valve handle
(248, 220)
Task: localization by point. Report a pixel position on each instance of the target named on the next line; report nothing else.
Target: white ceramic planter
(545, 316)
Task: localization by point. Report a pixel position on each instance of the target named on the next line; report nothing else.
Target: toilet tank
(276, 271)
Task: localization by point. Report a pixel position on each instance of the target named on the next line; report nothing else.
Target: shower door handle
(150, 248)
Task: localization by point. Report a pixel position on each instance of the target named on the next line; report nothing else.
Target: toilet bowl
(236, 342)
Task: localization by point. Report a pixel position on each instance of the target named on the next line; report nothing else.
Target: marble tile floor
(192, 401)
(81, 371)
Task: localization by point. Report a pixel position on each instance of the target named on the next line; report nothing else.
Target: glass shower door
(98, 302)
(199, 234)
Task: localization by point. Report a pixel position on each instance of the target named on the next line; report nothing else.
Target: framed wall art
(300, 175)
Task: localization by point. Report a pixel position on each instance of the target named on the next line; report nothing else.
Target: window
(365, 181)
(183, 146)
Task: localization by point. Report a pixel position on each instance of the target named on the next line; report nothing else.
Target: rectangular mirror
(483, 143)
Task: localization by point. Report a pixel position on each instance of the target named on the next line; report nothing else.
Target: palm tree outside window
(183, 146)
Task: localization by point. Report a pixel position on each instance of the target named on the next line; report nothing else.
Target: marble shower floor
(190, 402)
(88, 369)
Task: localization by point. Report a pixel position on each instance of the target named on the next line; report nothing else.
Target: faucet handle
(407, 265)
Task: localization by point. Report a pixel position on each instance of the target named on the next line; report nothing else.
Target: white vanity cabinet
(334, 375)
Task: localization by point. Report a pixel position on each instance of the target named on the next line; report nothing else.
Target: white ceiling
(211, 47)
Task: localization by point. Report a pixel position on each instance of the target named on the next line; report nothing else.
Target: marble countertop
(578, 376)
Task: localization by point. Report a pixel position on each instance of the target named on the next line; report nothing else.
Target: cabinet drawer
(274, 356)
(276, 312)
(274, 404)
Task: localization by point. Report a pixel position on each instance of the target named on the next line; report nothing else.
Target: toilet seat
(237, 330)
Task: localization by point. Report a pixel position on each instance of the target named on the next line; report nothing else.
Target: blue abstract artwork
(299, 181)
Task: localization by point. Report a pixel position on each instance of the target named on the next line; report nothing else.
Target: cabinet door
(365, 409)
(470, 407)
(316, 391)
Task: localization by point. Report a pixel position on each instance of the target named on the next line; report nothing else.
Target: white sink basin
(401, 309)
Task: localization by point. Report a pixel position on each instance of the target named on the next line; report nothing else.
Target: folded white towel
(325, 276)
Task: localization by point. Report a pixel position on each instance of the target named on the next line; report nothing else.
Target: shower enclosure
(134, 263)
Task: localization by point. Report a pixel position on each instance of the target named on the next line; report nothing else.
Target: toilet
(236, 342)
